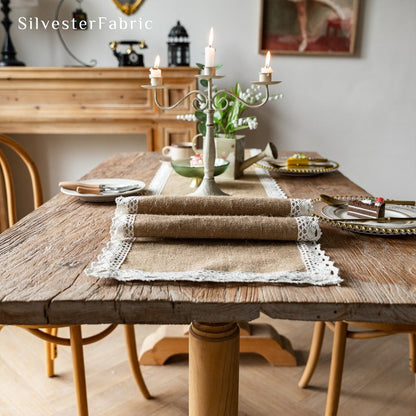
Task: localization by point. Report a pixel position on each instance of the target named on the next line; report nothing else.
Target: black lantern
(178, 46)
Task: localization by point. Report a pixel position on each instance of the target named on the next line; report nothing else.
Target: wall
(356, 110)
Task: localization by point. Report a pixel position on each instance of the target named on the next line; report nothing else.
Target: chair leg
(314, 353)
(51, 353)
(337, 364)
(79, 369)
(412, 353)
(134, 359)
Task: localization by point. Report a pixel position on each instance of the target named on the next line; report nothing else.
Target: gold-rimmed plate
(311, 170)
(337, 216)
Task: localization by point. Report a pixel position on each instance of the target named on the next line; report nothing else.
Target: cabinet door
(170, 132)
(175, 93)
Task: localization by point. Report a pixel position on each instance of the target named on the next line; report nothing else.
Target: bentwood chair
(342, 330)
(50, 333)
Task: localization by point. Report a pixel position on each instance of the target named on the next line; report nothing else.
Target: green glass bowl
(183, 167)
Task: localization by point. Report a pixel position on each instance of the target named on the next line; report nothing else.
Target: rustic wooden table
(43, 257)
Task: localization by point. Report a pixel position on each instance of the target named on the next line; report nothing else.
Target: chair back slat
(8, 201)
(3, 206)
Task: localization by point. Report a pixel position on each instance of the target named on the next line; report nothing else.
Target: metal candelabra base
(208, 187)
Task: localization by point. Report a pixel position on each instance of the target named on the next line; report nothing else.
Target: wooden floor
(376, 379)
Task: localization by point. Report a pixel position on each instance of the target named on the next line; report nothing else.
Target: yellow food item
(298, 159)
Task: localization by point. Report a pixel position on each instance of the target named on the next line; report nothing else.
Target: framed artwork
(128, 6)
(319, 27)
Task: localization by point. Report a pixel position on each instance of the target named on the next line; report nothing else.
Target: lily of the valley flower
(228, 118)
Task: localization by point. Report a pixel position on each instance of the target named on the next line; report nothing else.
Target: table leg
(213, 369)
(255, 338)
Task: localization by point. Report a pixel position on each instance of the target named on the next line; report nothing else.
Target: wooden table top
(43, 257)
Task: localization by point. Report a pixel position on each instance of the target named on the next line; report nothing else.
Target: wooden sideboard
(95, 101)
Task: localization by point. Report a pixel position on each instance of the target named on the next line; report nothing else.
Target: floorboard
(376, 379)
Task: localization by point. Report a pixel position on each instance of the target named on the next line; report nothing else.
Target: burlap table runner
(213, 205)
(222, 227)
(127, 257)
(221, 217)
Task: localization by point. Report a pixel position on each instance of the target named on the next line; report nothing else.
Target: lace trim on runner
(318, 263)
(308, 229)
(116, 250)
(320, 276)
(160, 179)
(298, 207)
(122, 227)
(129, 205)
(271, 186)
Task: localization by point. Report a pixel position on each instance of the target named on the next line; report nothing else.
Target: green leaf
(204, 83)
(235, 112)
(201, 116)
(217, 101)
(218, 116)
(200, 66)
(237, 89)
(202, 128)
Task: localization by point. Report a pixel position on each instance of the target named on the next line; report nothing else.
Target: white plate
(336, 214)
(107, 196)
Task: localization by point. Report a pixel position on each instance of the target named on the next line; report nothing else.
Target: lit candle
(267, 69)
(266, 72)
(210, 51)
(155, 73)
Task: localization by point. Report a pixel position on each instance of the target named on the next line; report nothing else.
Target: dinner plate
(336, 215)
(106, 196)
(329, 166)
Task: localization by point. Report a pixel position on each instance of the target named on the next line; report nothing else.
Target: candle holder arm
(199, 102)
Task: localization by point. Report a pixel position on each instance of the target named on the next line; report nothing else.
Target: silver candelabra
(205, 101)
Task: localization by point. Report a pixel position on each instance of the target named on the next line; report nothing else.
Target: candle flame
(157, 62)
(268, 59)
(211, 37)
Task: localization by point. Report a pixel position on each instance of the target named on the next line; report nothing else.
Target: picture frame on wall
(309, 27)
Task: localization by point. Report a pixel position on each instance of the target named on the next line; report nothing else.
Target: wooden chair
(342, 331)
(50, 333)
